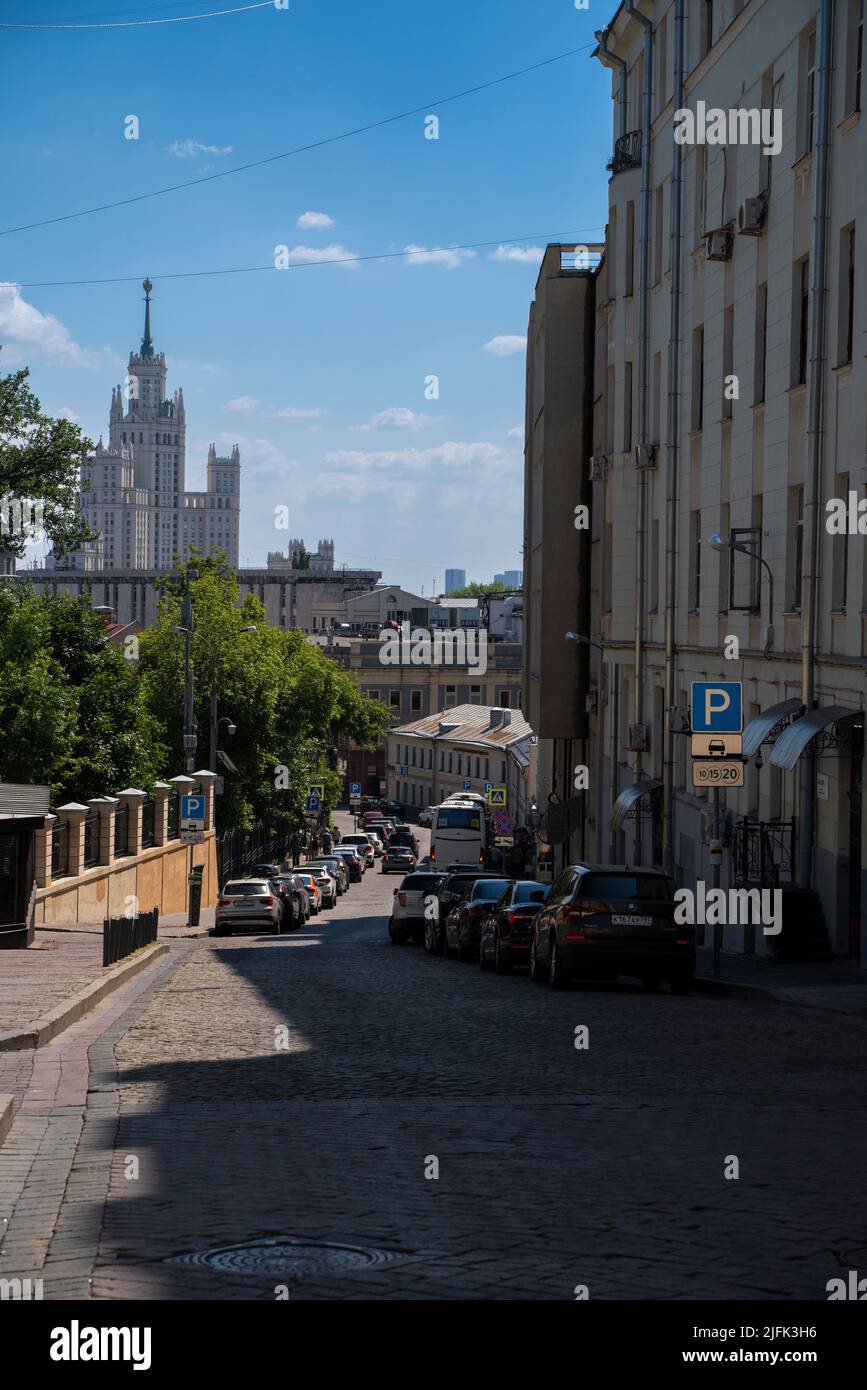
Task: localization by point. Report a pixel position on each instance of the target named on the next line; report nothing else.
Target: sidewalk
(839, 986)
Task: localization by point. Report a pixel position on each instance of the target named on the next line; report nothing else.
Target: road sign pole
(717, 928)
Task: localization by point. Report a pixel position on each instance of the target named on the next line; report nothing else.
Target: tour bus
(459, 832)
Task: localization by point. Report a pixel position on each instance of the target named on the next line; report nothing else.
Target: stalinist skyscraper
(133, 490)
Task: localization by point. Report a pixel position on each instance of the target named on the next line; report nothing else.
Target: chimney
(500, 716)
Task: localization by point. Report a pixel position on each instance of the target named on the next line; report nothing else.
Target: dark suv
(508, 927)
(604, 920)
(463, 926)
(452, 888)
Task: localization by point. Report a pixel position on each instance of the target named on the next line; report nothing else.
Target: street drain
(288, 1257)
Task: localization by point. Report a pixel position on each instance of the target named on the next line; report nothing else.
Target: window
(611, 258)
(450, 761)
(700, 191)
(373, 695)
(658, 224)
(662, 63)
(695, 562)
(503, 703)
(706, 31)
(846, 297)
(394, 699)
(761, 344)
(795, 549)
(728, 359)
(807, 103)
(801, 306)
(697, 378)
(627, 406)
(503, 771)
(854, 55)
(475, 694)
(725, 522)
(608, 566)
(656, 402)
(415, 700)
(413, 755)
(487, 768)
(451, 696)
(460, 764)
(654, 566)
(840, 555)
(629, 280)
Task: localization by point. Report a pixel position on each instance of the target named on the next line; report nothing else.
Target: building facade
(729, 394)
(455, 579)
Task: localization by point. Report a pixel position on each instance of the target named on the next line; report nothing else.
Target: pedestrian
(314, 845)
(337, 836)
(295, 848)
(327, 842)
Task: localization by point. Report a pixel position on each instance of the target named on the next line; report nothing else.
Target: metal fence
(60, 849)
(91, 839)
(174, 817)
(123, 935)
(121, 832)
(147, 825)
(763, 852)
(239, 850)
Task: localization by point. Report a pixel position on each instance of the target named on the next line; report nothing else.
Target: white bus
(459, 833)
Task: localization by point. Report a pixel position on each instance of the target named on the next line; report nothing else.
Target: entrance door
(10, 865)
(855, 782)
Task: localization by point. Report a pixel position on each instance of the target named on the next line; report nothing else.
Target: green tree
(476, 589)
(40, 462)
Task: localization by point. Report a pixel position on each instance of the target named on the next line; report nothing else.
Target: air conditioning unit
(718, 244)
(637, 738)
(598, 467)
(645, 456)
(751, 216)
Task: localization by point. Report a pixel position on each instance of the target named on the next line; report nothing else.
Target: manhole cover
(287, 1256)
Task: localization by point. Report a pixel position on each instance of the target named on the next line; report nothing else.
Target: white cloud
(315, 219)
(292, 412)
(527, 255)
(25, 331)
(183, 149)
(395, 418)
(67, 413)
(242, 405)
(517, 432)
(450, 455)
(447, 256)
(506, 345)
(303, 255)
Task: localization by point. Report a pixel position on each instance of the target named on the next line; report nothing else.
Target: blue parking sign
(467, 786)
(717, 707)
(355, 789)
(192, 812)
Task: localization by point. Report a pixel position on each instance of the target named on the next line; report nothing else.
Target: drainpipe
(672, 430)
(611, 60)
(643, 372)
(815, 426)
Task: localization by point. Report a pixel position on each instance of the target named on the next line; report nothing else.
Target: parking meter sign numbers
(717, 772)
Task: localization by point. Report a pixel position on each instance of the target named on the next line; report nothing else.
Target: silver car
(326, 883)
(247, 904)
(408, 909)
(336, 867)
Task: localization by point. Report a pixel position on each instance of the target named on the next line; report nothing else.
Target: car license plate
(618, 921)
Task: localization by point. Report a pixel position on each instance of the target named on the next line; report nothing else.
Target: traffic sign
(192, 813)
(355, 789)
(717, 772)
(192, 837)
(487, 787)
(313, 804)
(504, 823)
(467, 786)
(316, 790)
(717, 745)
(404, 772)
(717, 707)
(496, 796)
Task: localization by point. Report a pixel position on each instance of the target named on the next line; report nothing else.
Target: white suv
(363, 844)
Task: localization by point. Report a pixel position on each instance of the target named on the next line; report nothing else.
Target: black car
(294, 899)
(463, 928)
(452, 888)
(264, 871)
(508, 928)
(604, 920)
(352, 859)
(402, 837)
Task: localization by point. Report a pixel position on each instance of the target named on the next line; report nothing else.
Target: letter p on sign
(716, 707)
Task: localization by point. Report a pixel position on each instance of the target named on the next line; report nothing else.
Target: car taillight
(223, 902)
(588, 907)
(515, 917)
(269, 902)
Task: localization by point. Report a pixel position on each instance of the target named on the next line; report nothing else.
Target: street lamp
(719, 543)
(579, 637)
(212, 747)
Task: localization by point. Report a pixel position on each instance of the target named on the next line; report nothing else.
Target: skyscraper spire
(147, 342)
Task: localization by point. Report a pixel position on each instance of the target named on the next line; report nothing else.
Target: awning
(792, 741)
(758, 729)
(627, 799)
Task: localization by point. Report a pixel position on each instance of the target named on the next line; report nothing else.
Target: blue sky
(318, 373)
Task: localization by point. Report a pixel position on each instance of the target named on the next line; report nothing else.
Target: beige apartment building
(729, 387)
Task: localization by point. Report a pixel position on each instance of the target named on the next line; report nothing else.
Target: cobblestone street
(557, 1167)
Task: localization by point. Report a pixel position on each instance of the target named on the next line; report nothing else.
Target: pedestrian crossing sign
(497, 796)
(316, 791)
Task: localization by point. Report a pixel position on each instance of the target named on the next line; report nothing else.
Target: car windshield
(460, 885)
(247, 888)
(628, 886)
(530, 893)
(458, 818)
(487, 889)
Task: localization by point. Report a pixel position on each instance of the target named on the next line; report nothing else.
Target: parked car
(508, 927)
(425, 815)
(605, 920)
(390, 807)
(463, 927)
(290, 901)
(352, 860)
(247, 904)
(264, 871)
(453, 885)
(300, 889)
(408, 908)
(398, 857)
(361, 842)
(335, 865)
(312, 887)
(377, 842)
(326, 884)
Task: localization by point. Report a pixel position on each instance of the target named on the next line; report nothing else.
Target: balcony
(627, 153)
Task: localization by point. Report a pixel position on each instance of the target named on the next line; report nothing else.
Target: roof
(469, 724)
(793, 740)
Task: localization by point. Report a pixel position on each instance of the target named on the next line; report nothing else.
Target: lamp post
(719, 543)
(603, 695)
(212, 743)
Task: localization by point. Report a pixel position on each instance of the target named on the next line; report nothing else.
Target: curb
(7, 1113)
(707, 985)
(43, 1029)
